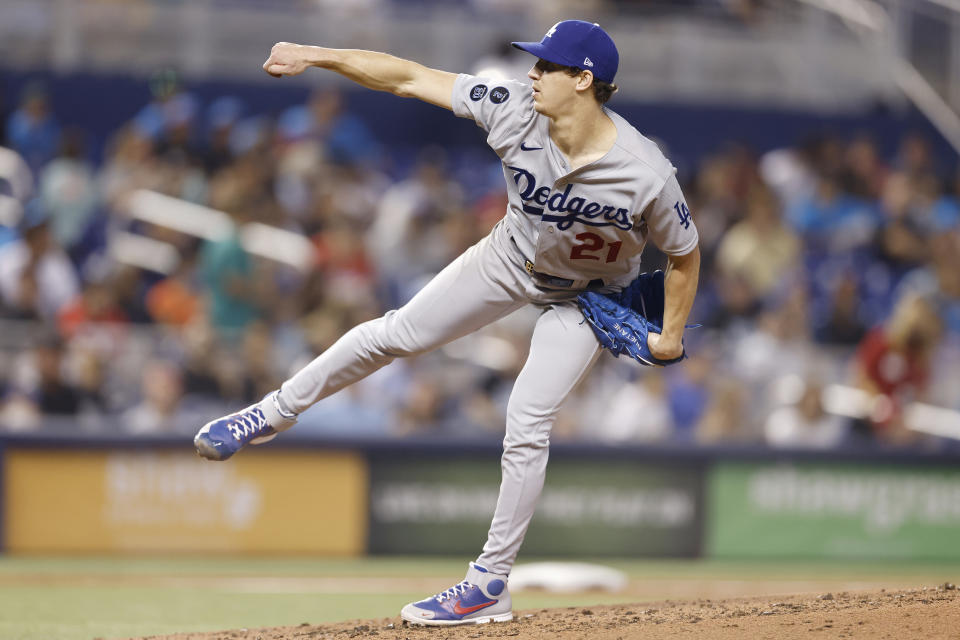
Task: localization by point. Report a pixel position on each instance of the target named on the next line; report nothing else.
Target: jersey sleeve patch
(499, 95)
(498, 106)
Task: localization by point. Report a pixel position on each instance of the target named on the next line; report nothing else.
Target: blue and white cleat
(482, 597)
(221, 438)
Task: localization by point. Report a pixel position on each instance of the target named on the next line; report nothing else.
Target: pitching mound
(932, 612)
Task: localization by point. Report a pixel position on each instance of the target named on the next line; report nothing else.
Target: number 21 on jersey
(591, 245)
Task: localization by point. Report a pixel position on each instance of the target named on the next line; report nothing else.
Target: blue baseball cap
(576, 43)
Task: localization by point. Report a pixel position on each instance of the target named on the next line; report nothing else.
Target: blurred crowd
(829, 292)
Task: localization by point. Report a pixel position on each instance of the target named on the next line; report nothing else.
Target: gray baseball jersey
(588, 223)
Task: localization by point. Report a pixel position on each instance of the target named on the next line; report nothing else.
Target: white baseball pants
(484, 284)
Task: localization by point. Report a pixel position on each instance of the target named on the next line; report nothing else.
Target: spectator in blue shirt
(32, 129)
(833, 220)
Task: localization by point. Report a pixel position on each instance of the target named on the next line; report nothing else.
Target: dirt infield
(930, 612)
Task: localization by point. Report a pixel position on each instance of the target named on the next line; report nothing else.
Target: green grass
(400, 566)
(80, 598)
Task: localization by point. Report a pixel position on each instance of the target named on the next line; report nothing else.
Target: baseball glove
(621, 321)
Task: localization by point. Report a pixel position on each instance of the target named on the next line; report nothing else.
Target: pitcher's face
(553, 86)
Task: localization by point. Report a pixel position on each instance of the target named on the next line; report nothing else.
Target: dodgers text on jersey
(564, 209)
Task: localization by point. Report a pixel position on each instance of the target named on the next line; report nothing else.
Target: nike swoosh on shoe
(460, 611)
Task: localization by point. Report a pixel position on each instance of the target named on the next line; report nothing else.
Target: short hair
(602, 91)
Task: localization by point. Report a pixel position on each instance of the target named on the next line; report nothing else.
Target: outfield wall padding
(617, 508)
(833, 510)
(117, 500)
(337, 497)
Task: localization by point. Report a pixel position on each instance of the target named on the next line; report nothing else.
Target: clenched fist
(663, 349)
(287, 59)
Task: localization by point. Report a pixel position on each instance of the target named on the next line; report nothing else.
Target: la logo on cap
(552, 31)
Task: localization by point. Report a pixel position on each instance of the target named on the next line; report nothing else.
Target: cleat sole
(503, 617)
(206, 450)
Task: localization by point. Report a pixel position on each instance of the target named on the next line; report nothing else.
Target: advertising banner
(609, 508)
(836, 510)
(75, 500)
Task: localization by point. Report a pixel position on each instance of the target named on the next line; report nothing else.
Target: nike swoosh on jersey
(524, 147)
(457, 609)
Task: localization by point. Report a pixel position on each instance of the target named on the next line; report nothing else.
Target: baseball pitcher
(586, 191)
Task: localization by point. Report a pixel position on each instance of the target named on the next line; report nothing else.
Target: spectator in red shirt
(96, 304)
(893, 364)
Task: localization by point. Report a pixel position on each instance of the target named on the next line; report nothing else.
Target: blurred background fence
(180, 232)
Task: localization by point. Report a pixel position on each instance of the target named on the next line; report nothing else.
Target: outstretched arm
(379, 71)
(680, 288)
